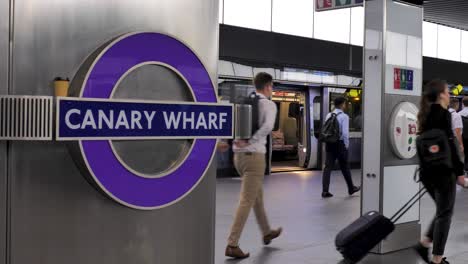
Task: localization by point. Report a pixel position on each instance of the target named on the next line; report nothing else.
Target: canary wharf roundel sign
(92, 119)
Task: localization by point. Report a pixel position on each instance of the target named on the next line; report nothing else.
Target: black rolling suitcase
(357, 239)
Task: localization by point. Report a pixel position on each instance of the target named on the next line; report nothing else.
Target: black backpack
(253, 100)
(434, 150)
(465, 127)
(331, 132)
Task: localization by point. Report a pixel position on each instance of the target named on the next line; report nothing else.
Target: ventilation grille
(26, 117)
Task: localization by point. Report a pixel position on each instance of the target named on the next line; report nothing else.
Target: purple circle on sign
(119, 183)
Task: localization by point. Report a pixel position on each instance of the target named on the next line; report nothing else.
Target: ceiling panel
(451, 13)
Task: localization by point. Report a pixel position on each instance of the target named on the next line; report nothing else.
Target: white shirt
(464, 112)
(343, 122)
(266, 121)
(456, 120)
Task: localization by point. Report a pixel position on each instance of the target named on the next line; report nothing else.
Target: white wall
(299, 18)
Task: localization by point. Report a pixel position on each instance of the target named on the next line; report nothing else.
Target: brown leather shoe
(272, 235)
(236, 253)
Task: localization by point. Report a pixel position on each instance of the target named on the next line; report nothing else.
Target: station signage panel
(403, 79)
(323, 5)
(94, 119)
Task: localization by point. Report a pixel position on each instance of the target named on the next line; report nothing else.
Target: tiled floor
(293, 201)
(287, 165)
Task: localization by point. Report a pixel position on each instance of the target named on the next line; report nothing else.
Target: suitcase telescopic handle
(405, 208)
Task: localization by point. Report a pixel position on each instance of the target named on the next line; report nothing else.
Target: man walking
(457, 123)
(338, 150)
(464, 116)
(250, 162)
(457, 128)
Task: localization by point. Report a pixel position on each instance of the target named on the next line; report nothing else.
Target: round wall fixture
(403, 130)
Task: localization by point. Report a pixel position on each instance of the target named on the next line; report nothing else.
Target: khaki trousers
(251, 167)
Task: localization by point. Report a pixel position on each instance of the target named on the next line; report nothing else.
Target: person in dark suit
(338, 151)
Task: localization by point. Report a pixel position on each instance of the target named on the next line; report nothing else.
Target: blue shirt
(343, 121)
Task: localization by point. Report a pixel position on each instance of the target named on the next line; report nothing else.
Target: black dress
(441, 185)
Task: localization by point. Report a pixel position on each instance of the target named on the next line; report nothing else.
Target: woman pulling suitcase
(440, 179)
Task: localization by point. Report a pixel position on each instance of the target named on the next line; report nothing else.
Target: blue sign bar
(98, 119)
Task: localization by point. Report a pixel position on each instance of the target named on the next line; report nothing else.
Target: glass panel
(333, 25)
(429, 39)
(221, 11)
(414, 59)
(355, 111)
(317, 106)
(277, 119)
(396, 49)
(294, 19)
(224, 91)
(449, 40)
(239, 92)
(464, 46)
(357, 26)
(250, 14)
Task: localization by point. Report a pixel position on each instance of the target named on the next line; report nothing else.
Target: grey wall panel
(395, 22)
(59, 35)
(4, 43)
(57, 217)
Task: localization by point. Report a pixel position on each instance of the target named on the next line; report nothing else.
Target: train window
(239, 92)
(301, 124)
(357, 118)
(224, 92)
(277, 120)
(317, 108)
(234, 92)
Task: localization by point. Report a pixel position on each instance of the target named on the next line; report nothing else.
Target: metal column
(4, 66)
(58, 217)
(393, 40)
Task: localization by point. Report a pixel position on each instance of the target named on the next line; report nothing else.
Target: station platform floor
(310, 223)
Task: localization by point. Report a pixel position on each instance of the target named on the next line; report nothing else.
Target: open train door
(311, 154)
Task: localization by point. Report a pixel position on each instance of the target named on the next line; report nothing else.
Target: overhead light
(354, 93)
(457, 89)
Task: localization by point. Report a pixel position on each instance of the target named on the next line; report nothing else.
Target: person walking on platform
(457, 128)
(336, 136)
(457, 123)
(440, 181)
(250, 162)
(464, 116)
